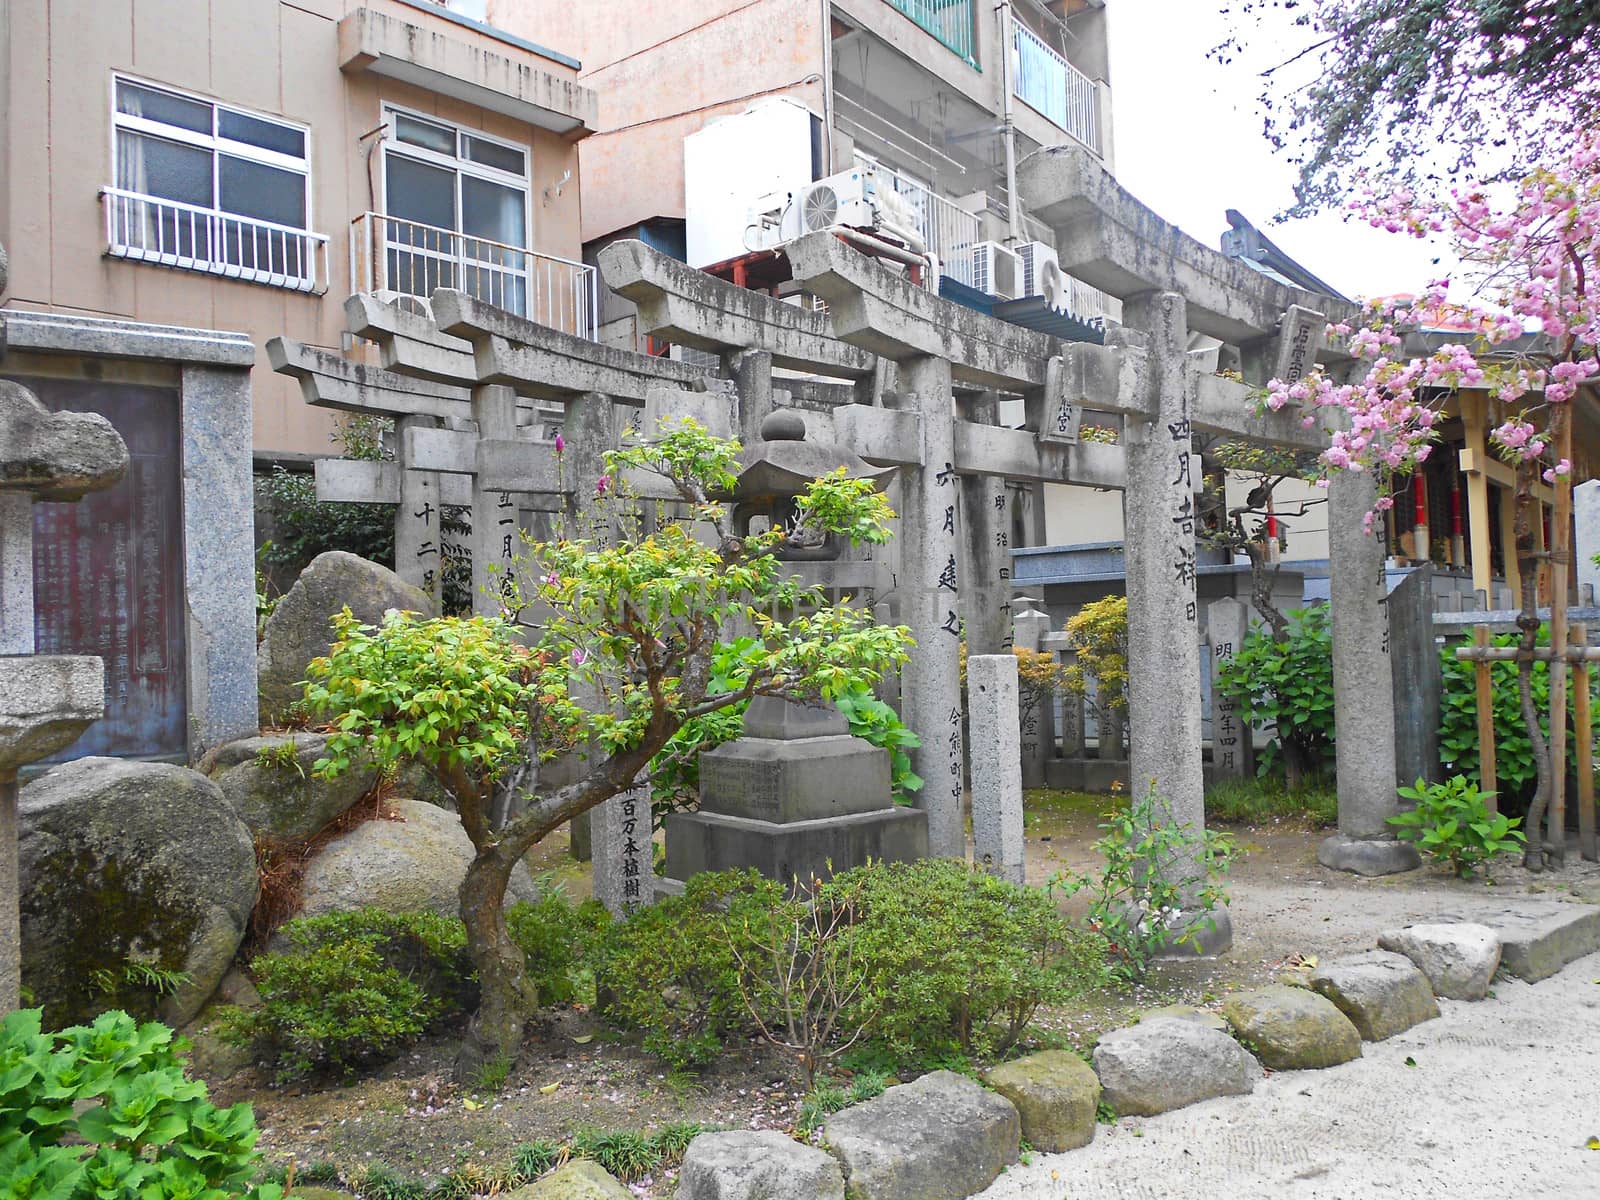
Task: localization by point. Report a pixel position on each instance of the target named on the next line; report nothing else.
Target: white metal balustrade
(388, 254)
(1045, 81)
(949, 231)
(149, 229)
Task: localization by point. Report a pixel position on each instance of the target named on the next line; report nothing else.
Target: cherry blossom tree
(1531, 339)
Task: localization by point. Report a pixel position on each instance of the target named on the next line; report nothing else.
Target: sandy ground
(1501, 1103)
(1503, 1097)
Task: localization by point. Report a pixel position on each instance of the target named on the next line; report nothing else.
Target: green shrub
(558, 938)
(1516, 775)
(354, 989)
(1452, 824)
(105, 1112)
(1288, 685)
(1159, 885)
(961, 960)
(670, 972)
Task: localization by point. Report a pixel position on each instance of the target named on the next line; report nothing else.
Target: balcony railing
(149, 229)
(949, 231)
(406, 258)
(1046, 81)
(948, 20)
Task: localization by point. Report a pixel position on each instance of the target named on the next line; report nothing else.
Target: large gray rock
(1056, 1094)
(129, 862)
(1459, 960)
(411, 864)
(299, 628)
(272, 785)
(1382, 993)
(1167, 1062)
(1292, 1028)
(580, 1180)
(55, 455)
(940, 1138)
(757, 1165)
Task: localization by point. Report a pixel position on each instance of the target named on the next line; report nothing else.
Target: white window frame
(458, 164)
(313, 245)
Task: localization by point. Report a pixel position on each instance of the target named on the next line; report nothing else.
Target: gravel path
(1504, 1095)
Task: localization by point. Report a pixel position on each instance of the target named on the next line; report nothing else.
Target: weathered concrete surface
(688, 307)
(1108, 239)
(45, 703)
(1459, 960)
(1382, 993)
(1363, 687)
(1374, 1126)
(129, 862)
(757, 1165)
(1169, 1062)
(995, 722)
(1293, 1029)
(940, 1138)
(1056, 1095)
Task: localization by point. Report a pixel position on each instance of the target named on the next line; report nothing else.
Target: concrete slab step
(1540, 939)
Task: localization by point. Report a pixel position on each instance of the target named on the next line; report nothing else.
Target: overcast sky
(1189, 144)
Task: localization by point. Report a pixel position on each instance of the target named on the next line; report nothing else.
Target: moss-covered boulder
(132, 874)
(1056, 1094)
(273, 786)
(300, 630)
(580, 1180)
(1292, 1029)
(410, 861)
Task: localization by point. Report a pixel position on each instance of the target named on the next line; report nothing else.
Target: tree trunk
(507, 998)
(1528, 622)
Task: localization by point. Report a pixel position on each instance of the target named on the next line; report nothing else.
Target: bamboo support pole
(1582, 720)
(1489, 654)
(1484, 687)
(1559, 545)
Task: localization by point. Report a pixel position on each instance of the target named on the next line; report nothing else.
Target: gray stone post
(418, 538)
(1163, 620)
(1036, 712)
(494, 513)
(752, 376)
(219, 557)
(996, 764)
(1586, 518)
(16, 573)
(624, 870)
(1227, 623)
(1418, 678)
(931, 681)
(1363, 689)
(985, 559)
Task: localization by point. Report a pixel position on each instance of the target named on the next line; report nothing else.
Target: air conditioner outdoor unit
(843, 199)
(419, 306)
(1041, 273)
(996, 270)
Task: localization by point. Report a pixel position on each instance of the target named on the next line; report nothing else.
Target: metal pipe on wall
(1007, 38)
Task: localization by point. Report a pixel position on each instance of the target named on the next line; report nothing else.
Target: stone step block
(1169, 1062)
(1459, 960)
(940, 1138)
(1382, 993)
(757, 1165)
(1056, 1094)
(1538, 942)
(768, 779)
(1293, 1029)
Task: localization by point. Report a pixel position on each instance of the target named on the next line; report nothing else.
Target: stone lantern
(780, 466)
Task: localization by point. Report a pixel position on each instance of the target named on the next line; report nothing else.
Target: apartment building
(708, 108)
(247, 164)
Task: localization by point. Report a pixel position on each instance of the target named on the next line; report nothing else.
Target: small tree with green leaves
(622, 658)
